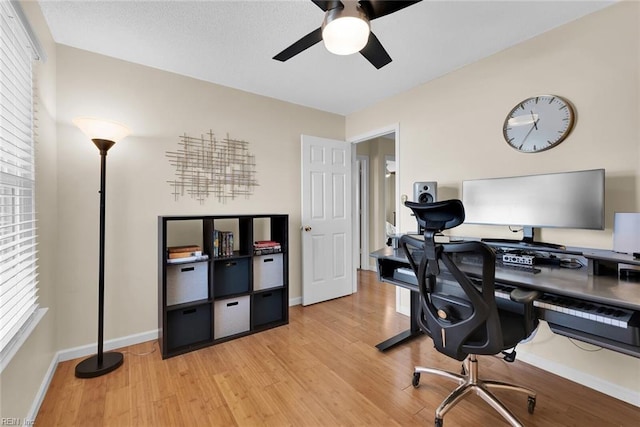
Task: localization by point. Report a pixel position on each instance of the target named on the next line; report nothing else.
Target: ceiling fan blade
(304, 43)
(328, 4)
(378, 8)
(375, 53)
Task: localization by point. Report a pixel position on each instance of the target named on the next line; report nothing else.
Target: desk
(572, 284)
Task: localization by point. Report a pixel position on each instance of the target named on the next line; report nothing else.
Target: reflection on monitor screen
(560, 200)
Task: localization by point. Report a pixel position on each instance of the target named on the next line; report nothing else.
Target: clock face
(538, 123)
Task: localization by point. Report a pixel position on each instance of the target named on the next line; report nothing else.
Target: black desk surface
(575, 283)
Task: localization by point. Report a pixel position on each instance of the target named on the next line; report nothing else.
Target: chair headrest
(438, 216)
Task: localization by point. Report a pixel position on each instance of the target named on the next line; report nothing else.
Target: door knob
(307, 228)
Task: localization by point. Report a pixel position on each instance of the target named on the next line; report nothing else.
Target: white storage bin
(187, 282)
(267, 271)
(231, 316)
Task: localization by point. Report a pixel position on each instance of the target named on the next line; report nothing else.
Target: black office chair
(459, 313)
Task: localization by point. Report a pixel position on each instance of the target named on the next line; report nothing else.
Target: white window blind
(18, 273)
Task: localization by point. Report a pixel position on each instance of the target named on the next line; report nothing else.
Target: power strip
(519, 259)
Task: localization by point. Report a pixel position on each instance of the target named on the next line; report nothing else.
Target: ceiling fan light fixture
(345, 31)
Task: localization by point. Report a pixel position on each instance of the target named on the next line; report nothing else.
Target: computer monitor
(559, 200)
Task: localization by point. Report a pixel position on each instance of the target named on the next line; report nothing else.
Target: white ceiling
(232, 42)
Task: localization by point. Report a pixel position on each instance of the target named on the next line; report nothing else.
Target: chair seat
(513, 329)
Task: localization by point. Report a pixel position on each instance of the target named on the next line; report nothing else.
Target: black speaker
(425, 192)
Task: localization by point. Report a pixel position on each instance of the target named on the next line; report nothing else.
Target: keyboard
(617, 324)
(613, 323)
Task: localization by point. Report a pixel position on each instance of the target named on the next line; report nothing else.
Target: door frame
(384, 198)
(353, 141)
(362, 188)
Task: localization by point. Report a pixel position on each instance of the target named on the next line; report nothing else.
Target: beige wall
(158, 107)
(22, 378)
(452, 127)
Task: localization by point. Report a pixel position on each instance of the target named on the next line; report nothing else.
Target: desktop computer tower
(425, 192)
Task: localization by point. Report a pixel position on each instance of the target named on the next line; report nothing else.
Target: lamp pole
(102, 363)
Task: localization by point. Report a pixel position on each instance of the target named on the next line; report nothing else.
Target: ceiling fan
(346, 30)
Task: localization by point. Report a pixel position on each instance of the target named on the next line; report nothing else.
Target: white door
(326, 219)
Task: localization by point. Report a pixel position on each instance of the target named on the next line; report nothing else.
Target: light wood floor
(320, 370)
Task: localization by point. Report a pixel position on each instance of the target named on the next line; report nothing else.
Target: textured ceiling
(232, 43)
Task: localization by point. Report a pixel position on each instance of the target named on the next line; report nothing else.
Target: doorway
(377, 215)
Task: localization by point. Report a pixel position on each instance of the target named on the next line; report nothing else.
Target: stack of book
(264, 247)
(189, 253)
(222, 243)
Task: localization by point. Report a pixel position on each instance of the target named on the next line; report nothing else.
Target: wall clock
(539, 123)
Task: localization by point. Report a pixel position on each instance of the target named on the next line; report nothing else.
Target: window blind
(18, 271)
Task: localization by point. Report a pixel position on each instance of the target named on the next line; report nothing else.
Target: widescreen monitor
(558, 200)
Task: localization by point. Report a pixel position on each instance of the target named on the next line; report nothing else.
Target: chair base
(469, 381)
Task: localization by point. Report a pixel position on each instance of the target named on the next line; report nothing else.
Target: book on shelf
(265, 244)
(266, 251)
(185, 248)
(265, 247)
(187, 251)
(193, 258)
(173, 255)
(222, 243)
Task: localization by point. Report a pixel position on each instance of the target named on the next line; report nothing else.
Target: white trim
(580, 377)
(90, 349)
(384, 194)
(403, 301)
(295, 301)
(38, 52)
(42, 391)
(363, 194)
(19, 339)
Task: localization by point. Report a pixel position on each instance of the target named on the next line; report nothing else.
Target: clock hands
(535, 121)
(535, 126)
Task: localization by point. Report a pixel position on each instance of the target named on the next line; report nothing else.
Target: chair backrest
(460, 316)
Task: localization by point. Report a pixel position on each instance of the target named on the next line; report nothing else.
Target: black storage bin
(189, 326)
(267, 307)
(230, 277)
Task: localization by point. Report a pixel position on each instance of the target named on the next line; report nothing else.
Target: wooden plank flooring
(320, 370)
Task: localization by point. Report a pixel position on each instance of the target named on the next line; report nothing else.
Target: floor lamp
(104, 135)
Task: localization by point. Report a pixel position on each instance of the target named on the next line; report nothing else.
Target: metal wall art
(207, 166)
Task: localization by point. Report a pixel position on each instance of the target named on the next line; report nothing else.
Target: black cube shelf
(223, 287)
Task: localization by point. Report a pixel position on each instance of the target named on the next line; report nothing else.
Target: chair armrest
(526, 298)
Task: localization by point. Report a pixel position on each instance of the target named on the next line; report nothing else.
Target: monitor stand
(527, 241)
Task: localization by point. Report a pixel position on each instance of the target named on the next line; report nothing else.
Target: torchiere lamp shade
(101, 129)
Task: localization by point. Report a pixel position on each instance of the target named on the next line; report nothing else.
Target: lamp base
(90, 368)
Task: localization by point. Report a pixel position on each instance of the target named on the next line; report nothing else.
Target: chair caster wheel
(531, 404)
(438, 422)
(416, 380)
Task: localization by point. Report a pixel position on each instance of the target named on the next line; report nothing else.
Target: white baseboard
(85, 350)
(42, 391)
(295, 301)
(580, 377)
